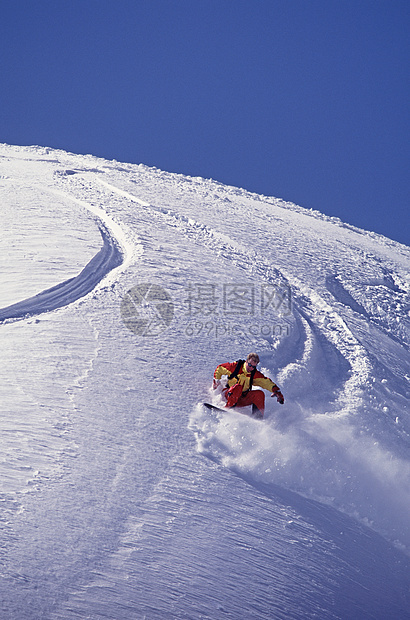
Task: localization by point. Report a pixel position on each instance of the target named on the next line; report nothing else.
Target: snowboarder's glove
(215, 383)
(279, 396)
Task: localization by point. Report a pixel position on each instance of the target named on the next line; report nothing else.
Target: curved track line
(110, 225)
(116, 252)
(107, 259)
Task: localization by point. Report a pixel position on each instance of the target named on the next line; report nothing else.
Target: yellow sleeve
(265, 383)
(221, 370)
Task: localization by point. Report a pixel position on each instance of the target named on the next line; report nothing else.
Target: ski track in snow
(71, 290)
(110, 508)
(109, 258)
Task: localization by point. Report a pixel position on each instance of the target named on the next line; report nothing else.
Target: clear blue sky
(306, 100)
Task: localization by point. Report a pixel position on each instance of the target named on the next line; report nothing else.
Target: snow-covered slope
(121, 289)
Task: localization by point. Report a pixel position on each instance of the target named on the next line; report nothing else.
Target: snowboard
(218, 409)
(214, 407)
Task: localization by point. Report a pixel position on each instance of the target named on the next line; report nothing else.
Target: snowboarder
(242, 375)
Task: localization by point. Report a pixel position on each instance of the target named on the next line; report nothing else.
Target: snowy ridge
(123, 497)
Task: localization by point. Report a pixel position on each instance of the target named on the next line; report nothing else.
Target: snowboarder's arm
(268, 384)
(224, 369)
(264, 382)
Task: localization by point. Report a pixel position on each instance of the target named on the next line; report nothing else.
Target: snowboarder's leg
(232, 395)
(256, 398)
